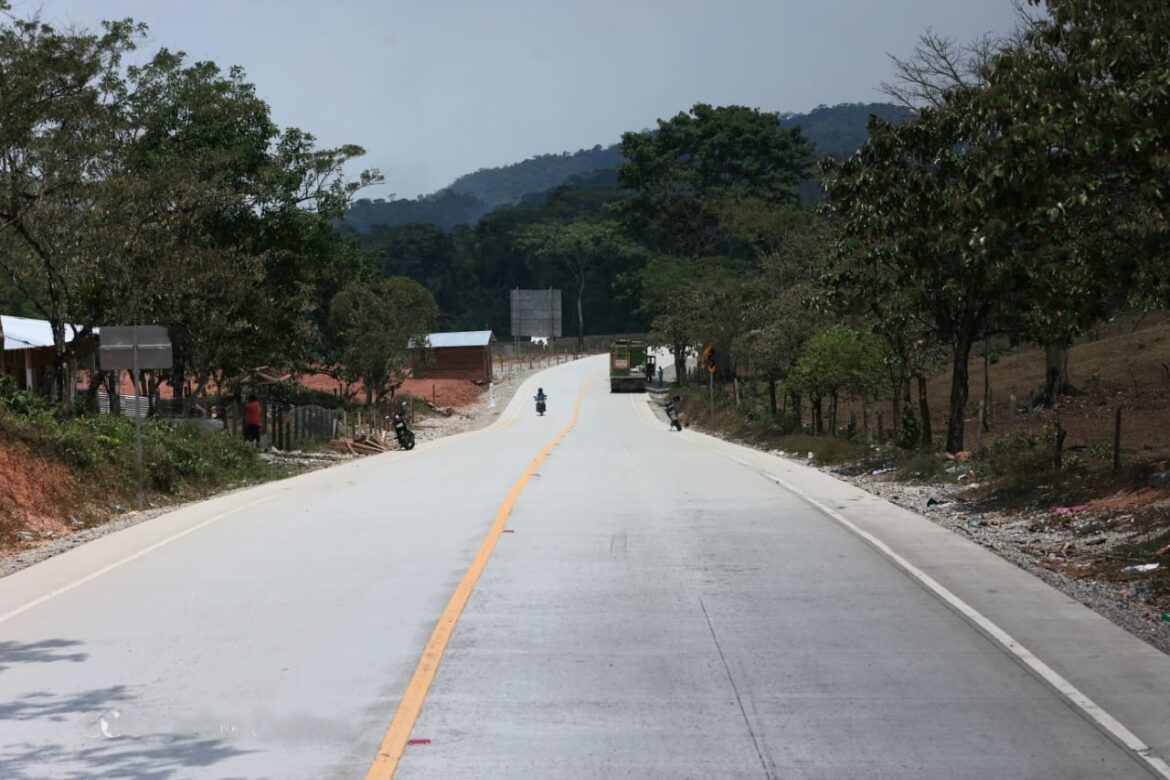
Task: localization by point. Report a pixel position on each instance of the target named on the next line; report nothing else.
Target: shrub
(923, 466)
(1013, 457)
(20, 403)
(826, 450)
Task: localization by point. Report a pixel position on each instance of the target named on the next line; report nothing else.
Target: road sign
(707, 358)
(134, 347)
(118, 344)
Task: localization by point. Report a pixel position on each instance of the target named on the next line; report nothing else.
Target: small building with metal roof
(26, 350)
(462, 355)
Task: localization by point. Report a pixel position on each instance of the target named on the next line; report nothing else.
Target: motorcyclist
(540, 399)
(672, 411)
(402, 431)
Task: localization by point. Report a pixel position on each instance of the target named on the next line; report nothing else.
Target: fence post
(982, 423)
(1058, 439)
(1117, 441)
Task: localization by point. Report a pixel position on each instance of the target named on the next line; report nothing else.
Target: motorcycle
(540, 406)
(402, 433)
(672, 413)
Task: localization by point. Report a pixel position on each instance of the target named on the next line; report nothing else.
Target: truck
(629, 366)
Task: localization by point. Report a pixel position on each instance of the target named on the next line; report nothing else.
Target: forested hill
(841, 130)
(507, 184)
(837, 130)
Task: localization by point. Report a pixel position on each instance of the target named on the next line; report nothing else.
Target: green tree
(1088, 183)
(839, 361)
(794, 248)
(925, 231)
(58, 102)
(580, 247)
(376, 322)
(684, 173)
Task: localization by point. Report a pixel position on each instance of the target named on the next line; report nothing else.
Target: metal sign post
(711, 386)
(707, 359)
(135, 347)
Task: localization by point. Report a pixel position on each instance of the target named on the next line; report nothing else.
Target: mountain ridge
(837, 130)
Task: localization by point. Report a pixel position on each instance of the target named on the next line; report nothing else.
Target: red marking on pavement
(418, 741)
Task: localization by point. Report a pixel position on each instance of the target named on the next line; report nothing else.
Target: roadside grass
(751, 422)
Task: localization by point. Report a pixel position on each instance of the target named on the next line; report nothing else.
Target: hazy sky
(437, 88)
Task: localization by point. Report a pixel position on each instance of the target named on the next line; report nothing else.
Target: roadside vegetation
(81, 469)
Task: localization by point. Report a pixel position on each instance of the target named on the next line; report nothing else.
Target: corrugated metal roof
(24, 333)
(470, 338)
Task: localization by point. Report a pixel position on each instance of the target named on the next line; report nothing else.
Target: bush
(826, 450)
(923, 466)
(1013, 457)
(20, 403)
(178, 458)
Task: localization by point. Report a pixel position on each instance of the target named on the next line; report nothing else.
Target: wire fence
(283, 426)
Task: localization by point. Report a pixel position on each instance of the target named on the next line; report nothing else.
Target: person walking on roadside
(252, 420)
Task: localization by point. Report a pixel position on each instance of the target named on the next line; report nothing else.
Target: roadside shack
(460, 355)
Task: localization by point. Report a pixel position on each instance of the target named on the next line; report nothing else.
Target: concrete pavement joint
(735, 689)
(117, 564)
(1080, 701)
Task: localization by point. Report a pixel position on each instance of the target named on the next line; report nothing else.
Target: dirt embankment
(37, 496)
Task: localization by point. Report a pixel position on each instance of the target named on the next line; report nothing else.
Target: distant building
(26, 350)
(466, 355)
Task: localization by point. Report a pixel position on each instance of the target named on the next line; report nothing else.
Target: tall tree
(377, 322)
(918, 227)
(684, 173)
(1083, 101)
(579, 246)
(58, 103)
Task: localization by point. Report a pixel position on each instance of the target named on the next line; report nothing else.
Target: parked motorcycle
(672, 413)
(402, 433)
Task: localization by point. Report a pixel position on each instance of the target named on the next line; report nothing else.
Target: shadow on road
(89, 733)
(44, 652)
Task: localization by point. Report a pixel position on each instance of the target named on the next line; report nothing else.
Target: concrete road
(657, 605)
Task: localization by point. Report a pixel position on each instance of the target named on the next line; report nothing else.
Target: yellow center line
(409, 706)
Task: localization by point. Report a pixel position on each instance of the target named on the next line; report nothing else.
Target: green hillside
(837, 130)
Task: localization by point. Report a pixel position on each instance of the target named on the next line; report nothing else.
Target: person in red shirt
(252, 419)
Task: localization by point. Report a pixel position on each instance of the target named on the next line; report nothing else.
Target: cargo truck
(628, 367)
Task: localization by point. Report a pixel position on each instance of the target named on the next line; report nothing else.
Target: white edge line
(109, 568)
(1087, 706)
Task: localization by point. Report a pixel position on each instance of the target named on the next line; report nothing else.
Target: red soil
(443, 392)
(34, 492)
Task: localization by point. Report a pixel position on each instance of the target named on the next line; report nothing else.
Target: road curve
(661, 606)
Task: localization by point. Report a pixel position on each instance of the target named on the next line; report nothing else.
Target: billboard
(536, 313)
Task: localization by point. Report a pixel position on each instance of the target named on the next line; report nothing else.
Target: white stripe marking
(1082, 702)
(107, 569)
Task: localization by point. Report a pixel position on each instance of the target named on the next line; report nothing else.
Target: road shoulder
(1125, 676)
